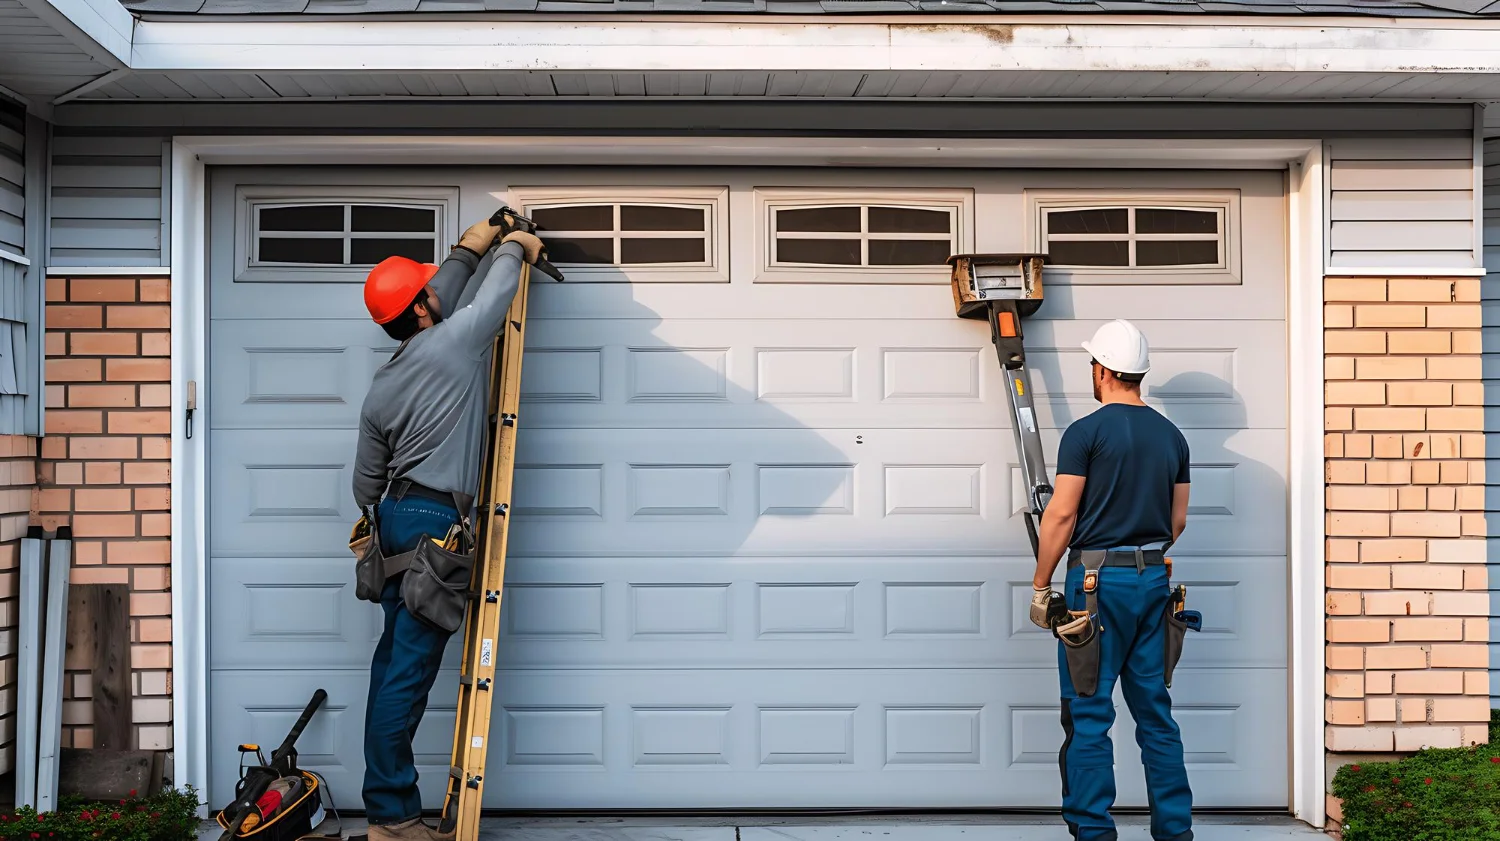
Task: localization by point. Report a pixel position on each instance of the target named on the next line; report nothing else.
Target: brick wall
(1407, 600)
(105, 469)
(17, 478)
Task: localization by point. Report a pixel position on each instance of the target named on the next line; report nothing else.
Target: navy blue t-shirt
(1132, 457)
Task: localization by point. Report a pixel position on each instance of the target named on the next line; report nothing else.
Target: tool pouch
(369, 562)
(1178, 624)
(436, 587)
(1082, 649)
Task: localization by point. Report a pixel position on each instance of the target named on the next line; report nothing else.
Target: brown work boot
(412, 830)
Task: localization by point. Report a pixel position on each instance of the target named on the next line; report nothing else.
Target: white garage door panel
(816, 612)
(677, 492)
(294, 374)
(764, 549)
(878, 373)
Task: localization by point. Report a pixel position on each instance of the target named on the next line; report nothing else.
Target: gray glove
(1039, 600)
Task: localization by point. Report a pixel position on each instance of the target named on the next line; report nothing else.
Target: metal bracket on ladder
(1002, 289)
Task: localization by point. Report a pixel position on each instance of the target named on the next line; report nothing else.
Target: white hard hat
(1120, 347)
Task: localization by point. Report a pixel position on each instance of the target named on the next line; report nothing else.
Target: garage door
(765, 549)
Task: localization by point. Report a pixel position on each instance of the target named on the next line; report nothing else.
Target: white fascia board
(1241, 45)
(101, 28)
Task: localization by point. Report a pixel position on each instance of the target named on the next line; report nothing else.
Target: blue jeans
(1132, 608)
(403, 670)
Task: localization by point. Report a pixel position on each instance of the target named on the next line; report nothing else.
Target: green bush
(1448, 794)
(166, 816)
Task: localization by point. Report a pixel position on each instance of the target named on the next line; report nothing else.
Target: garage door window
(1181, 239)
(860, 237)
(335, 234)
(605, 235)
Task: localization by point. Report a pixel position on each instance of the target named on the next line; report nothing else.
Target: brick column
(105, 470)
(1407, 600)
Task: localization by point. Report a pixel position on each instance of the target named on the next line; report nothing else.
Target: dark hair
(405, 325)
(1127, 379)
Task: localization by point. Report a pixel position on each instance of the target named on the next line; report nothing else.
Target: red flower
(1369, 789)
(156, 814)
(132, 792)
(36, 835)
(114, 816)
(1427, 782)
(1354, 768)
(1395, 779)
(1495, 759)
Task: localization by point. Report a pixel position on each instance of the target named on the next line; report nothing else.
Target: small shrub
(166, 816)
(1450, 794)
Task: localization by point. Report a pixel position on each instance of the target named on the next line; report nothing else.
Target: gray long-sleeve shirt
(424, 416)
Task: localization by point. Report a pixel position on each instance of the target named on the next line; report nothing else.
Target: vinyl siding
(12, 179)
(1402, 203)
(109, 201)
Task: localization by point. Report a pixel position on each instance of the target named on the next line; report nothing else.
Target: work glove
(528, 242)
(480, 236)
(1039, 600)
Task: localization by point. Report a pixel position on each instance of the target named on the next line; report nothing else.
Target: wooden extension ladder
(476, 689)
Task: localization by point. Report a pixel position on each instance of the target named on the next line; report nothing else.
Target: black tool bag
(291, 822)
(1082, 647)
(435, 588)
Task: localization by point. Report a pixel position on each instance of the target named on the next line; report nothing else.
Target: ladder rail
(464, 794)
(1009, 338)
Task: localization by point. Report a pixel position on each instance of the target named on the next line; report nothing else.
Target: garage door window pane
(586, 251)
(371, 251)
(823, 252)
(661, 250)
(910, 220)
(1177, 253)
(635, 217)
(383, 218)
(1108, 221)
(322, 252)
(315, 217)
(819, 220)
(1088, 253)
(900, 252)
(600, 217)
(1162, 220)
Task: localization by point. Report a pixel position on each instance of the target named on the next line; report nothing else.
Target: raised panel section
(296, 375)
(287, 491)
(933, 736)
(933, 609)
(931, 374)
(805, 374)
(678, 374)
(791, 610)
(673, 611)
(661, 490)
(562, 375)
(1035, 735)
(805, 489)
(296, 613)
(792, 736)
(554, 611)
(933, 489)
(1213, 489)
(681, 736)
(1210, 733)
(559, 490)
(572, 737)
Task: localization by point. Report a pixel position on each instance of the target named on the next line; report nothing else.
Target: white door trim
(1307, 209)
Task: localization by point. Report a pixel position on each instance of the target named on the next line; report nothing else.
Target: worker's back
(1131, 457)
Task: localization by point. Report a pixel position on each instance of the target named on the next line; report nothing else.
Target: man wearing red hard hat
(421, 438)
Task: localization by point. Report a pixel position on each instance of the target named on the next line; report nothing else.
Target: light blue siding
(109, 201)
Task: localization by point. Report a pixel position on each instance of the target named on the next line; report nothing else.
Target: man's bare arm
(1179, 509)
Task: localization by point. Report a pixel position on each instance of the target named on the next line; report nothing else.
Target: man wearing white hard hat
(1120, 500)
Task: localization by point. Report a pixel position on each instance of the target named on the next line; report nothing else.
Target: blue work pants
(403, 669)
(1132, 606)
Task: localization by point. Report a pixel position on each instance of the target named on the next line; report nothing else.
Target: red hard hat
(393, 284)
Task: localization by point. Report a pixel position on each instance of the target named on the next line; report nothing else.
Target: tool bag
(1082, 647)
(435, 588)
(290, 822)
(1179, 622)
